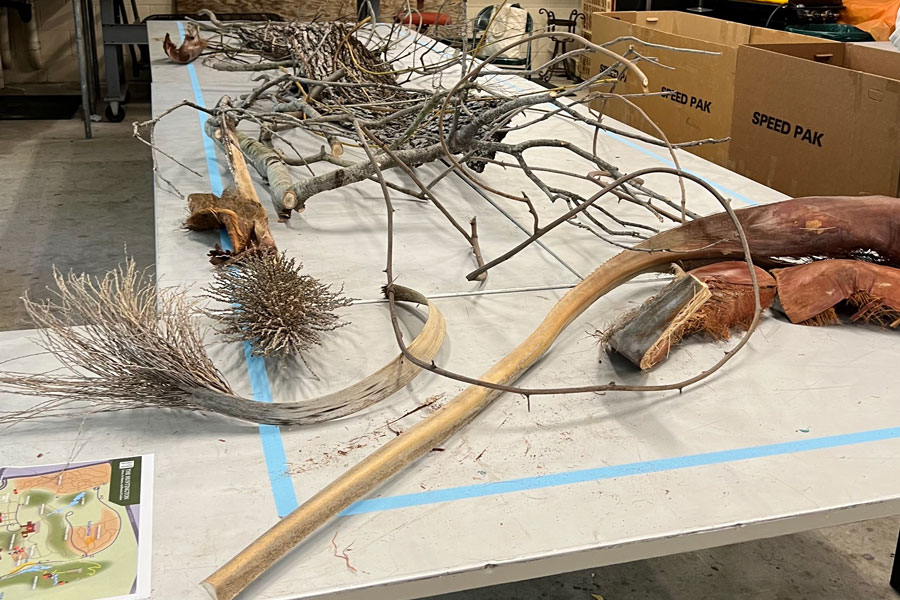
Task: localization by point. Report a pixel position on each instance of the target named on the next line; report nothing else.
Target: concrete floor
(71, 202)
(77, 203)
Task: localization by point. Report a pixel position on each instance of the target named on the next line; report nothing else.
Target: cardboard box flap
(876, 61)
(707, 29)
(864, 59)
(827, 52)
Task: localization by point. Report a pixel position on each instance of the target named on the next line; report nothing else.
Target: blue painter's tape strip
(626, 470)
(668, 162)
(212, 165)
(270, 435)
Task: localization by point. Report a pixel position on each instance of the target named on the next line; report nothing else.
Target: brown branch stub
(238, 210)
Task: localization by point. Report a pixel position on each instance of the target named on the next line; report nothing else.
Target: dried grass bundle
(122, 344)
(272, 306)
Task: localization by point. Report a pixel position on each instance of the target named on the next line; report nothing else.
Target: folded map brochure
(78, 531)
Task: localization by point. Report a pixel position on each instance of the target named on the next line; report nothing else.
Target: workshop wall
(155, 7)
(56, 30)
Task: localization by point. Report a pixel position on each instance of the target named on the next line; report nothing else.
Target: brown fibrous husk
(731, 305)
(809, 293)
(728, 305)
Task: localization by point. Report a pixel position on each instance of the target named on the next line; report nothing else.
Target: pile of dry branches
(380, 89)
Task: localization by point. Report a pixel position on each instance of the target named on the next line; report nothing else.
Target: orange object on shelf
(424, 18)
(875, 16)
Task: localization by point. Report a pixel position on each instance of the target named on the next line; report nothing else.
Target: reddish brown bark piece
(833, 227)
(192, 47)
(808, 293)
(731, 304)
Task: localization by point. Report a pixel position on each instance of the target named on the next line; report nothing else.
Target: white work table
(800, 431)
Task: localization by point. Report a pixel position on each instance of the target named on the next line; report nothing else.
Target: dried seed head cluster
(123, 345)
(272, 306)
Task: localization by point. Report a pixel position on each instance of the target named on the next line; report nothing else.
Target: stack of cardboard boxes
(805, 116)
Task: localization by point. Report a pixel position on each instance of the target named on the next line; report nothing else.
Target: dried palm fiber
(124, 344)
(731, 304)
(711, 300)
(803, 227)
(809, 293)
(269, 303)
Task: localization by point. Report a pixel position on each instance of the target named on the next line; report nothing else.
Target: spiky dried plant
(269, 304)
(122, 345)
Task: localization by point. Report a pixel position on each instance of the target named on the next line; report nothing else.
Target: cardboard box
(702, 86)
(818, 119)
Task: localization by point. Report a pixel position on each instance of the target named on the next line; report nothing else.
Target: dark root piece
(272, 306)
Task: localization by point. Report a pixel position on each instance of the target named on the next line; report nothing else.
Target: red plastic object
(425, 18)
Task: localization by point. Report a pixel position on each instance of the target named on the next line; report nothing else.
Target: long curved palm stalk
(795, 228)
(125, 345)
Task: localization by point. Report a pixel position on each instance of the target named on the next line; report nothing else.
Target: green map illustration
(61, 535)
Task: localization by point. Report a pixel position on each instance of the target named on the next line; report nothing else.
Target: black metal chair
(560, 44)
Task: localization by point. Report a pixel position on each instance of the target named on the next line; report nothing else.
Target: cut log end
(289, 201)
(645, 336)
(683, 308)
(210, 589)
